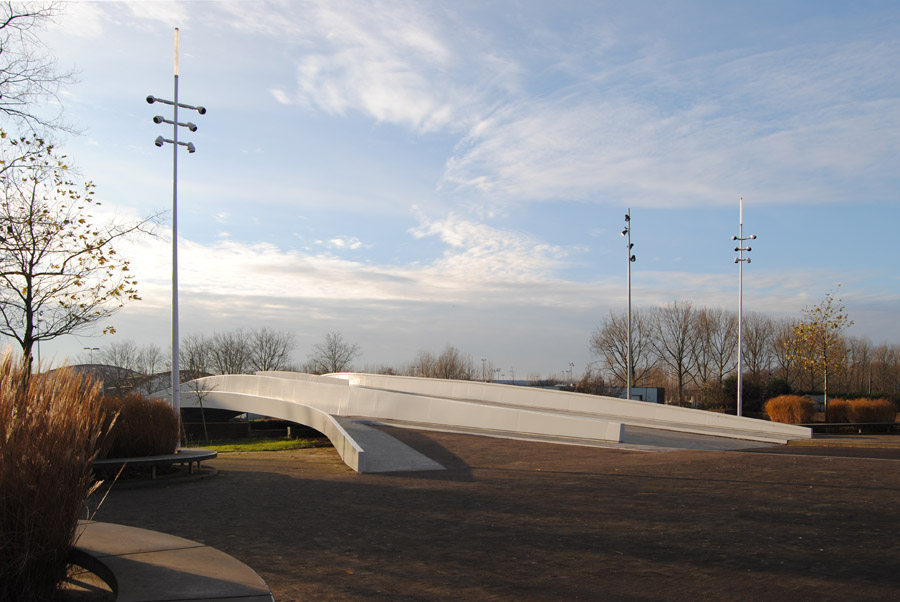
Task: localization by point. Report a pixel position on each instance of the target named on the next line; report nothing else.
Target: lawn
(244, 445)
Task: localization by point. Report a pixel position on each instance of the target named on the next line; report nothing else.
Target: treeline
(692, 352)
(126, 365)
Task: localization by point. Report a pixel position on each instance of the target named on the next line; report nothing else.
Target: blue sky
(414, 174)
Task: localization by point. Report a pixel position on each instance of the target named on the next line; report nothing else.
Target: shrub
(872, 410)
(791, 409)
(50, 425)
(839, 410)
(144, 427)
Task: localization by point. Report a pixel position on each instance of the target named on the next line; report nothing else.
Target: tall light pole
(740, 259)
(91, 351)
(630, 259)
(176, 377)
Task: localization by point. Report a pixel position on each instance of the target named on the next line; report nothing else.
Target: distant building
(650, 394)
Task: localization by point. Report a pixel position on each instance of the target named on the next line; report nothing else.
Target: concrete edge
(141, 565)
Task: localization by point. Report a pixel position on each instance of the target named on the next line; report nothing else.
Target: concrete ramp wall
(327, 402)
(629, 412)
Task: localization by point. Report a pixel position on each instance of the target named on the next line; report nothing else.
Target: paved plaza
(521, 520)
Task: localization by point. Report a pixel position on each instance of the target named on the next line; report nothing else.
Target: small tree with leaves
(56, 263)
(817, 340)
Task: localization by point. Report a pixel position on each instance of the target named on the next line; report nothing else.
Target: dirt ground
(513, 520)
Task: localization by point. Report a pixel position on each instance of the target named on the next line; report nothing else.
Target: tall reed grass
(50, 428)
(790, 409)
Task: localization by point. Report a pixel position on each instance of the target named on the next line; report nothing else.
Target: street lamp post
(630, 259)
(176, 377)
(91, 351)
(740, 259)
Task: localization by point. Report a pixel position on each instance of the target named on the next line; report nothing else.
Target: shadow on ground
(513, 520)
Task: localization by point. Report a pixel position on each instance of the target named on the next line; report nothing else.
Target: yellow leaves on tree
(817, 341)
(53, 260)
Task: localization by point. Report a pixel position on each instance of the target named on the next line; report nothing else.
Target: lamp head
(627, 217)
(159, 141)
(151, 99)
(158, 119)
(625, 231)
(191, 126)
(753, 236)
(201, 110)
(191, 148)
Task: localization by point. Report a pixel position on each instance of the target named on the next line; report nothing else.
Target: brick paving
(514, 520)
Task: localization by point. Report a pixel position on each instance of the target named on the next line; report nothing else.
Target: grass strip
(264, 445)
(838, 443)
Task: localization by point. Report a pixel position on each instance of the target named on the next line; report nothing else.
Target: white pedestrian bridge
(349, 407)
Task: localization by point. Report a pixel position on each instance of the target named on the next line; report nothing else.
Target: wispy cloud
(795, 125)
(397, 63)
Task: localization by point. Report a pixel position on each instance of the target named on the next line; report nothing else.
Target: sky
(418, 174)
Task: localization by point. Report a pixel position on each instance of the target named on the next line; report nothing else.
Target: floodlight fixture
(159, 141)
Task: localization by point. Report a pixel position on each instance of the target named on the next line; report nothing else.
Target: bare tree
(150, 360)
(270, 350)
(229, 353)
(333, 354)
(886, 368)
(713, 354)
(674, 337)
(194, 356)
(786, 366)
(28, 74)
(450, 364)
(453, 364)
(610, 342)
(121, 357)
(758, 342)
(423, 365)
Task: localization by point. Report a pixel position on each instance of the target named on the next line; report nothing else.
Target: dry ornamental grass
(50, 428)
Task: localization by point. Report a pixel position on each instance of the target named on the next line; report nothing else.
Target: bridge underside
(348, 407)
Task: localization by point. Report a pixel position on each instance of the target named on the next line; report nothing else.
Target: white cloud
(345, 243)
(280, 96)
